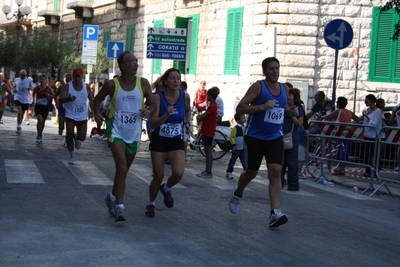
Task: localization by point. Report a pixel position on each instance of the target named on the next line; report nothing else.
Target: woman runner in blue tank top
(168, 122)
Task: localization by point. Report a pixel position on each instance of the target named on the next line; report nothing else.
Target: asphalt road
(53, 214)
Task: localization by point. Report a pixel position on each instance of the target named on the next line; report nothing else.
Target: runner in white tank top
(74, 96)
(128, 94)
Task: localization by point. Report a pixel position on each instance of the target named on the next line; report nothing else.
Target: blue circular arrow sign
(338, 34)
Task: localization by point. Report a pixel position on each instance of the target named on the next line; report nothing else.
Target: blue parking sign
(90, 32)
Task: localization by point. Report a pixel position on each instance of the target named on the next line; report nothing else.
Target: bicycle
(220, 145)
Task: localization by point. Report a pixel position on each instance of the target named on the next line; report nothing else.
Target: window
(69, 41)
(157, 62)
(106, 36)
(233, 41)
(384, 63)
(130, 38)
(57, 5)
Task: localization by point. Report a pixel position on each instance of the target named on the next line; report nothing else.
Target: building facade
(227, 41)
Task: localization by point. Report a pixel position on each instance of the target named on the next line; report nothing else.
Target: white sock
(152, 203)
(120, 206)
(112, 197)
(166, 188)
(18, 125)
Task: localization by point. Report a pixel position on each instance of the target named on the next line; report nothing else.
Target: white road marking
(88, 174)
(22, 171)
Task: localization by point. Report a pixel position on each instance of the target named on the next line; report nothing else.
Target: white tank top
(77, 110)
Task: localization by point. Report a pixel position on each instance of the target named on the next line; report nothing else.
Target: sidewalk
(354, 179)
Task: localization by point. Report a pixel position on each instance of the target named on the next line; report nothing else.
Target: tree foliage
(7, 51)
(70, 60)
(396, 5)
(41, 52)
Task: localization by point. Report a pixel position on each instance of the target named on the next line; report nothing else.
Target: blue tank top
(173, 126)
(267, 125)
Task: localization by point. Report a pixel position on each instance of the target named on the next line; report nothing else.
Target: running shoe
(110, 205)
(19, 130)
(119, 214)
(78, 142)
(234, 202)
(277, 219)
(60, 131)
(39, 139)
(204, 175)
(229, 175)
(397, 169)
(150, 211)
(28, 123)
(168, 200)
(1, 121)
(72, 159)
(302, 176)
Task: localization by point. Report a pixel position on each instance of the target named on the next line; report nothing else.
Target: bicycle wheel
(220, 146)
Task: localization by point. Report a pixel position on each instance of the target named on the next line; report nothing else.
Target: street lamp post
(20, 14)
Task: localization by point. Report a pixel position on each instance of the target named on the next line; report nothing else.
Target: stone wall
(301, 48)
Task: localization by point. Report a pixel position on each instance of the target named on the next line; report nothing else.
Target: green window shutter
(181, 23)
(56, 5)
(397, 64)
(130, 38)
(69, 41)
(157, 62)
(385, 53)
(106, 36)
(233, 41)
(194, 43)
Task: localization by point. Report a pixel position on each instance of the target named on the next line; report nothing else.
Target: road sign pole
(113, 65)
(334, 78)
(356, 65)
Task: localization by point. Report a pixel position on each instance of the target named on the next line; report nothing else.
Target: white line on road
(88, 174)
(22, 171)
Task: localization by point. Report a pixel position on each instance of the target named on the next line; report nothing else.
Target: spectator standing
(265, 102)
(200, 98)
(208, 122)
(341, 114)
(238, 146)
(317, 110)
(220, 105)
(22, 87)
(395, 116)
(186, 133)
(292, 121)
(372, 117)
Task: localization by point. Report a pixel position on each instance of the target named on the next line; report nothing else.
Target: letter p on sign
(90, 32)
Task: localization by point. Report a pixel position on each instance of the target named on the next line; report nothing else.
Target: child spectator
(327, 105)
(237, 141)
(209, 124)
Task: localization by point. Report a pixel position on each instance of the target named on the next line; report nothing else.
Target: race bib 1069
(274, 115)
